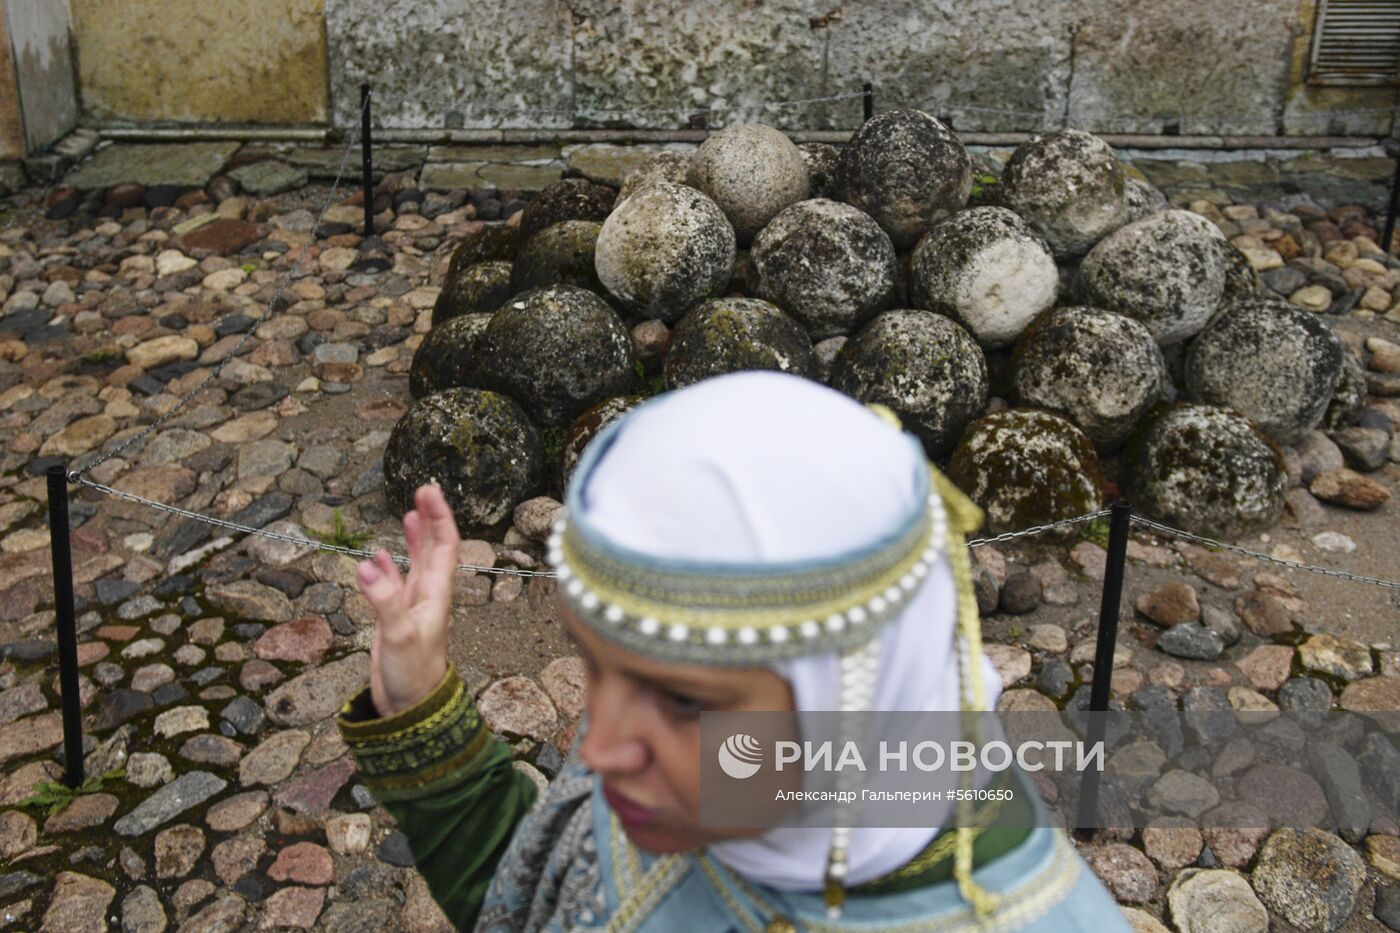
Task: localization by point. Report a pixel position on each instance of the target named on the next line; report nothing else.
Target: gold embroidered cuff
(417, 751)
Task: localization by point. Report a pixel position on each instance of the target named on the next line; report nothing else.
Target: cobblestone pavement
(212, 665)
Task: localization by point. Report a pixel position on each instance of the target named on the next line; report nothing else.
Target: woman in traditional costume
(752, 542)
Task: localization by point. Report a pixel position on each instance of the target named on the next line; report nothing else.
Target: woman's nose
(613, 744)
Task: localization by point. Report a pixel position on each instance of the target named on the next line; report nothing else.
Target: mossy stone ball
(1166, 270)
(923, 366)
(823, 170)
(1205, 470)
(987, 269)
(481, 287)
(665, 249)
(907, 170)
(447, 357)
(586, 427)
(479, 446)
(752, 172)
(1100, 369)
(727, 335)
(1025, 468)
(1272, 362)
(667, 165)
(559, 255)
(566, 199)
(1070, 186)
(827, 264)
(557, 351)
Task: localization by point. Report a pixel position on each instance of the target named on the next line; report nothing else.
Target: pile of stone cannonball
(1065, 338)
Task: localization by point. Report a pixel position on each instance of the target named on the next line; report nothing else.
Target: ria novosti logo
(740, 756)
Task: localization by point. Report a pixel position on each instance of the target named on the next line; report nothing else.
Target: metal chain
(291, 539)
(238, 348)
(1039, 529)
(1290, 564)
(456, 105)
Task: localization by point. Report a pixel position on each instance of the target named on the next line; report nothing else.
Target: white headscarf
(768, 467)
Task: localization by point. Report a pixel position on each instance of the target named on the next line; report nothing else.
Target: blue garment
(569, 867)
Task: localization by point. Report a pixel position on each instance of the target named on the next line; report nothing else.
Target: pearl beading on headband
(744, 638)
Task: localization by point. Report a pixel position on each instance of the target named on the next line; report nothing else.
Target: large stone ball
(561, 255)
(1144, 199)
(557, 351)
(586, 427)
(479, 288)
(1349, 400)
(664, 250)
(923, 366)
(1025, 468)
(479, 446)
(1101, 370)
(988, 270)
(823, 170)
(566, 199)
(731, 334)
(752, 172)
(1166, 270)
(908, 171)
(1272, 362)
(1205, 470)
(667, 165)
(496, 242)
(1071, 188)
(447, 357)
(827, 264)
(1241, 281)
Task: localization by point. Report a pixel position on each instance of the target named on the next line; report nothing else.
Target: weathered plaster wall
(43, 68)
(11, 121)
(1187, 66)
(215, 61)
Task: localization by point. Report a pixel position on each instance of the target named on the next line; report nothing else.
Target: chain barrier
(510, 571)
(1269, 558)
(932, 105)
(272, 304)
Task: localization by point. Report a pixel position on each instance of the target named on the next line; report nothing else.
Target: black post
(1394, 205)
(62, 552)
(366, 160)
(1120, 521)
(868, 99)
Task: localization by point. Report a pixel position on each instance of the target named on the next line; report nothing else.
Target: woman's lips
(631, 814)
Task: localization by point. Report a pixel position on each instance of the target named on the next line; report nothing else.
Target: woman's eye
(682, 706)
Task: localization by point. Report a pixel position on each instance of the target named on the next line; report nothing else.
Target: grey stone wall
(1149, 66)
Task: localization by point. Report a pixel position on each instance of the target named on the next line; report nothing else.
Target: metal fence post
(61, 549)
(366, 160)
(868, 100)
(1120, 521)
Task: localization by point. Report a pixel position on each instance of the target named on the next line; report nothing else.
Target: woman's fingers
(382, 586)
(446, 542)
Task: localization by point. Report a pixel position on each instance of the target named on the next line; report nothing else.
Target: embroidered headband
(741, 614)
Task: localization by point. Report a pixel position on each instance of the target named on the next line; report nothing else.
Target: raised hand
(408, 657)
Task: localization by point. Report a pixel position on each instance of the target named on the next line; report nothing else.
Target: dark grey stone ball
(447, 357)
(727, 335)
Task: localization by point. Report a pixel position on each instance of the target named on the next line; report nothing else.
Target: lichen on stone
(923, 366)
(1069, 186)
(447, 357)
(1100, 369)
(728, 335)
(827, 264)
(479, 446)
(1026, 467)
(476, 288)
(557, 351)
(1205, 470)
(664, 250)
(907, 170)
(987, 269)
(559, 255)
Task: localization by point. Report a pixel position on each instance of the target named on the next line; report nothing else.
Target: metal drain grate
(1356, 42)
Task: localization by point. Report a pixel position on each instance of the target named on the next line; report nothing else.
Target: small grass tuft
(54, 796)
(341, 535)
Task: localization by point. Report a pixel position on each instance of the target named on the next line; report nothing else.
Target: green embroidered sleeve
(448, 782)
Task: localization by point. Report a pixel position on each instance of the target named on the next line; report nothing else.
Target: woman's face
(643, 735)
